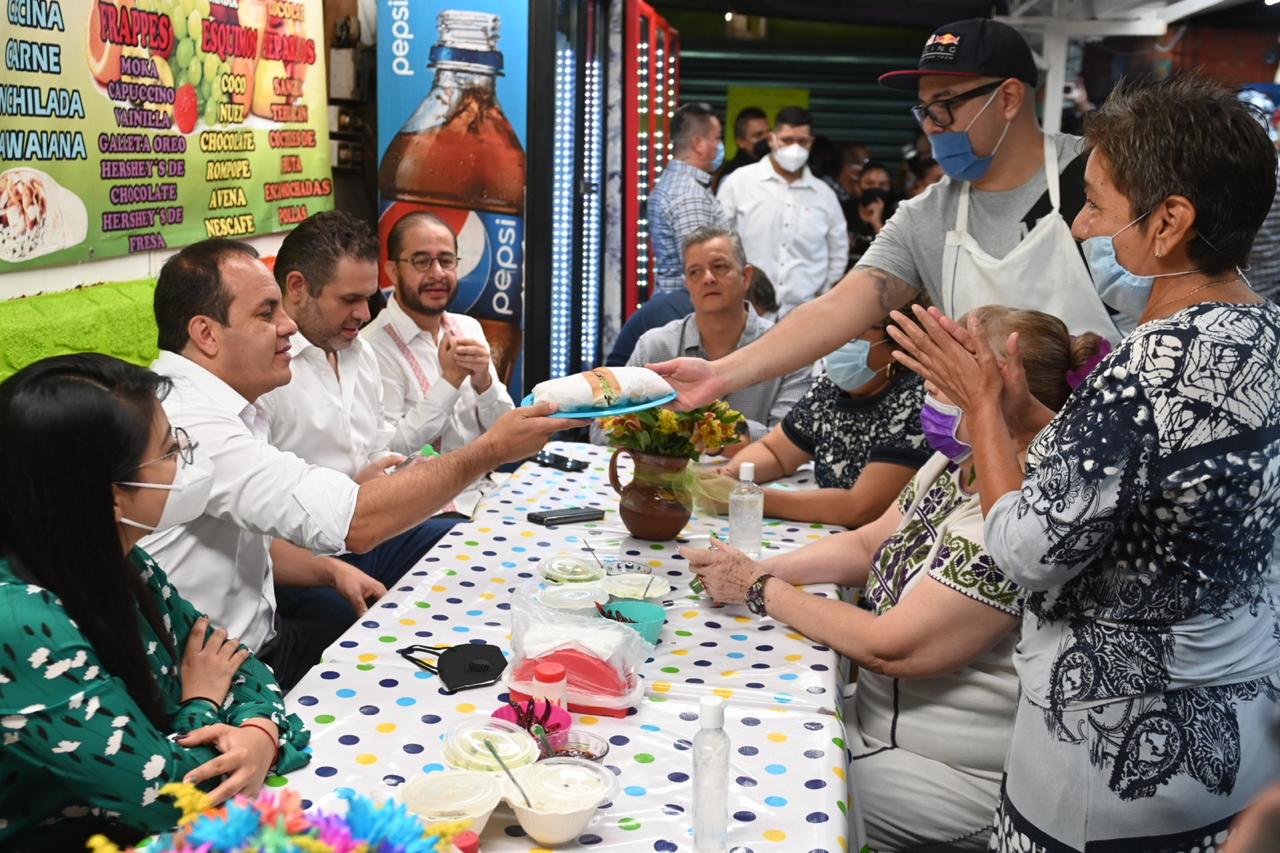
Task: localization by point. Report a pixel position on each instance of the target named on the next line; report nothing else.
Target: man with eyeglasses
(789, 220)
(330, 413)
(996, 230)
(435, 365)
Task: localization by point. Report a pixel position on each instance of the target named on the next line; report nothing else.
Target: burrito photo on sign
(37, 215)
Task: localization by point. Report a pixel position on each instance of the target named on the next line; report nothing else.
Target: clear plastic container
(577, 743)
(580, 598)
(453, 795)
(567, 569)
(464, 745)
(634, 586)
(565, 794)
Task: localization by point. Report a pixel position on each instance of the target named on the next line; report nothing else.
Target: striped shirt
(680, 204)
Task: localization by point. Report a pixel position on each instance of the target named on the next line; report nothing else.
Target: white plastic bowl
(565, 793)
(580, 598)
(453, 795)
(564, 568)
(633, 586)
(464, 746)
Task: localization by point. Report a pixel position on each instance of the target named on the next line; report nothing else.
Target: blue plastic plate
(612, 410)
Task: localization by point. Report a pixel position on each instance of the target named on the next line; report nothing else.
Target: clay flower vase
(657, 503)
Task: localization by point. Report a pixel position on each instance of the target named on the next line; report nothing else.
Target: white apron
(1044, 272)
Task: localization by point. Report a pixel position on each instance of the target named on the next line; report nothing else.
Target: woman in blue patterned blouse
(930, 722)
(1149, 661)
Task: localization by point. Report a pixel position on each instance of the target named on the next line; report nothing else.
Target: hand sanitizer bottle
(710, 777)
(746, 512)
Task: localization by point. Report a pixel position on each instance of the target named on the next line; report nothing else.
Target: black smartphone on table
(560, 463)
(568, 515)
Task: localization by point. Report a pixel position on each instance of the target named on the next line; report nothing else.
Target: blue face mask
(954, 150)
(719, 158)
(1124, 291)
(848, 367)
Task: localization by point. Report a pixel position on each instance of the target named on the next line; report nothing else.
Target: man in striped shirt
(681, 201)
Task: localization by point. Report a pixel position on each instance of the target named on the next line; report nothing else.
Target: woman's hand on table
(726, 572)
(358, 589)
(247, 753)
(209, 664)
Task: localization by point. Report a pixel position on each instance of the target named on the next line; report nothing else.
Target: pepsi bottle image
(458, 157)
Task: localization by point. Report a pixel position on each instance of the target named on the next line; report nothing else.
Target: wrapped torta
(602, 388)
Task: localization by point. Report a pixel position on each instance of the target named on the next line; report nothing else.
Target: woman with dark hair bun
(1149, 662)
(111, 684)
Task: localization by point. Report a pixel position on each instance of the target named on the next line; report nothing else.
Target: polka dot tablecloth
(461, 592)
(375, 728)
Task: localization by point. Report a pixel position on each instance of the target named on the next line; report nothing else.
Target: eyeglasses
(422, 262)
(186, 451)
(940, 111)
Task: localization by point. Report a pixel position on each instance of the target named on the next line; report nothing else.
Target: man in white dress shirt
(436, 369)
(224, 340)
(790, 221)
(330, 413)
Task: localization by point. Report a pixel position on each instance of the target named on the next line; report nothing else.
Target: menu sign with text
(131, 125)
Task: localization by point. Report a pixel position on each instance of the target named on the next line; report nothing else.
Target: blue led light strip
(594, 182)
(562, 213)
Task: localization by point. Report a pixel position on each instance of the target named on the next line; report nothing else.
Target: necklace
(1194, 290)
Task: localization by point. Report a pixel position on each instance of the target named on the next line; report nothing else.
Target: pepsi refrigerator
(552, 260)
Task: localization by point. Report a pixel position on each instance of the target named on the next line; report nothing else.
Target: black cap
(978, 47)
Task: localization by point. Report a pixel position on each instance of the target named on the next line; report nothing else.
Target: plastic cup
(567, 569)
(646, 617)
(578, 598)
(464, 745)
(579, 744)
(559, 721)
(564, 794)
(453, 795)
(634, 586)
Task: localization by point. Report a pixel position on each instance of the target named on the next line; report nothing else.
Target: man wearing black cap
(996, 230)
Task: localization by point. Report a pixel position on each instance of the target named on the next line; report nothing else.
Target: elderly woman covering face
(1149, 661)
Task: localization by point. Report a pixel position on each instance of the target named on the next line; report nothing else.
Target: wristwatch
(755, 595)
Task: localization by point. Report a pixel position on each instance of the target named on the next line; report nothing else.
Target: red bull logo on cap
(941, 47)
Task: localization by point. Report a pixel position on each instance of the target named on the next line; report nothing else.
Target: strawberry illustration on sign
(185, 108)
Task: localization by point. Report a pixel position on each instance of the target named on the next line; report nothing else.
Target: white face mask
(188, 496)
(792, 158)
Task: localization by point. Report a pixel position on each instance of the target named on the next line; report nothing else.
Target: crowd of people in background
(1037, 375)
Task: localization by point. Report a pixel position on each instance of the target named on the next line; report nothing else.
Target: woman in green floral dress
(111, 684)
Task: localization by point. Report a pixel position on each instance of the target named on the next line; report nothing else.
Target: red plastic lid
(548, 673)
(467, 842)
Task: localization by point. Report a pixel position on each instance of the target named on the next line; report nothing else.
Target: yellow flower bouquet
(665, 432)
